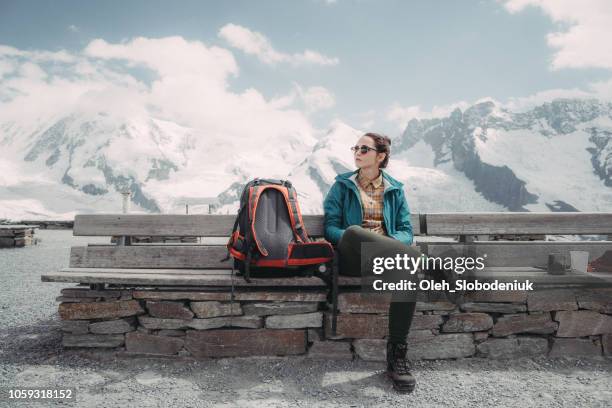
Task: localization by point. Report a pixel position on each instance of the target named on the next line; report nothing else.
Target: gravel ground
(30, 355)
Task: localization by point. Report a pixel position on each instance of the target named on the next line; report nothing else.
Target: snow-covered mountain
(554, 157)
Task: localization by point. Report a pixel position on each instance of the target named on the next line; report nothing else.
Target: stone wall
(487, 324)
(199, 324)
(208, 324)
(16, 237)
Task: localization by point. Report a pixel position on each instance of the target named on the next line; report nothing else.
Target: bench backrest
(176, 225)
(190, 256)
(525, 223)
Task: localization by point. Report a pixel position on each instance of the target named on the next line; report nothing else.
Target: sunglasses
(363, 149)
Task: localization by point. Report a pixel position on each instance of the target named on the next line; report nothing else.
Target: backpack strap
(235, 227)
(296, 215)
(253, 201)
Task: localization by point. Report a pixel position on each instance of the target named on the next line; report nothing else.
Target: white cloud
(401, 115)
(37, 56)
(255, 43)
(517, 104)
(189, 87)
(602, 89)
(6, 67)
(73, 28)
(316, 98)
(585, 40)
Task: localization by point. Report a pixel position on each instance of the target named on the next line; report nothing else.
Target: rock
(498, 348)
(75, 326)
(456, 345)
(468, 322)
(493, 307)
(606, 342)
(250, 322)
(279, 308)
(171, 333)
(495, 296)
(513, 347)
(155, 323)
(242, 343)
(539, 323)
(169, 310)
(330, 350)
(575, 348)
(141, 343)
(92, 340)
(551, 300)
(358, 325)
(531, 345)
(113, 326)
(363, 326)
(238, 296)
(215, 309)
(295, 321)
(583, 323)
(100, 310)
(435, 306)
(480, 336)
(415, 336)
(358, 302)
(599, 299)
(148, 378)
(371, 349)
(420, 322)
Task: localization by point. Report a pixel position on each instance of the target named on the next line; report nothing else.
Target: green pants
(349, 249)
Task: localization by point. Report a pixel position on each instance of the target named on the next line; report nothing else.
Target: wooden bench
(173, 298)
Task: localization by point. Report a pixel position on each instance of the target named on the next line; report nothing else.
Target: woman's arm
(333, 207)
(403, 227)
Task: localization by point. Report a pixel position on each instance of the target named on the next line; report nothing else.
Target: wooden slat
(518, 223)
(148, 271)
(90, 275)
(518, 253)
(178, 225)
(150, 256)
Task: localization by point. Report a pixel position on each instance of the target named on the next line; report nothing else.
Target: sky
(371, 64)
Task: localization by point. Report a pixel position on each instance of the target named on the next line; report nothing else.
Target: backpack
(269, 232)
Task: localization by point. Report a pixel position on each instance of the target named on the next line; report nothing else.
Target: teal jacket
(342, 207)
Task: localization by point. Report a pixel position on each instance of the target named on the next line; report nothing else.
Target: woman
(368, 205)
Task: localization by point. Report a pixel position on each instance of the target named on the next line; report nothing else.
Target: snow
(557, 167)
(205, 163)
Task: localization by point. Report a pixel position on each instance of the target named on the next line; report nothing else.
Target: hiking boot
(398, 367)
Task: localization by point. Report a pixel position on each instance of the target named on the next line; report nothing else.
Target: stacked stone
(16, 236)
(208, 324)
(191, 323)
(488, 324)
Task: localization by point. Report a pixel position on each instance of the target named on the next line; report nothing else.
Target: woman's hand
(374, 226)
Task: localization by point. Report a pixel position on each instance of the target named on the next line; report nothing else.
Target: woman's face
(369, 159)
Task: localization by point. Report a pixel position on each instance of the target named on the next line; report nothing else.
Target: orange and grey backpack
(269, 232)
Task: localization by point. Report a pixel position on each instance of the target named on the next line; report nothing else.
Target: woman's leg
(400, 310)
(400, 319)
(349, 248)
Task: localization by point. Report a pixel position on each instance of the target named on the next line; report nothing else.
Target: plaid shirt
(371, 193)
